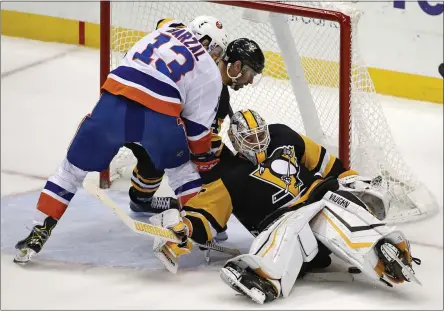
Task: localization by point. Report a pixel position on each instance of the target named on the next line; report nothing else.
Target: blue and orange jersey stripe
(144, 89)
(199, 137)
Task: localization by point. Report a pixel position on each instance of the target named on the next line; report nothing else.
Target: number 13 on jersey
(175, 70)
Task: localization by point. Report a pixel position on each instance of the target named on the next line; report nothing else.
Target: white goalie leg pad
(278, 252)
(351, 233)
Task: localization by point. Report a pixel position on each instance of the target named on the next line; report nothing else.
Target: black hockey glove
(205, 162)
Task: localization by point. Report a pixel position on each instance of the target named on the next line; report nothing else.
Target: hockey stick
(146, 228)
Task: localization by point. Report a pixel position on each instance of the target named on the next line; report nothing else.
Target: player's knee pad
(279, 251)
(68, 176)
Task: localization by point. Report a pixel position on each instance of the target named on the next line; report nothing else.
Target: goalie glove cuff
(171, 219)
(351, 179)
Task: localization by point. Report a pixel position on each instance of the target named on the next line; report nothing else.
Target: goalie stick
(146, 228)
(155, 231)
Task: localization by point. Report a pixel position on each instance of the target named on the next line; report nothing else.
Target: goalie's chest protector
(257, 191)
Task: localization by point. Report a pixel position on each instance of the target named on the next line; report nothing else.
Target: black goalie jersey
(294, 165)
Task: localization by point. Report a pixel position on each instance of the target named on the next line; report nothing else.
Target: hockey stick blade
(146, 228)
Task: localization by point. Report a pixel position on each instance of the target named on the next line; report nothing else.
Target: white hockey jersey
(170, 72)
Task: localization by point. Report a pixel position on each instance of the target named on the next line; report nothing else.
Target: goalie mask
(249, 135)
(211, 34)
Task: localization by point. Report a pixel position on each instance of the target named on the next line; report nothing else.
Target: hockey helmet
(248, 52)
(211, 34)
(252, 59)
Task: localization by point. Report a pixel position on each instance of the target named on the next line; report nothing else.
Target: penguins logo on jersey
(282, 171)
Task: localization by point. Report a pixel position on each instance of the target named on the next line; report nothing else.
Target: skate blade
(24, 256)
(406, 270)
(254, 294)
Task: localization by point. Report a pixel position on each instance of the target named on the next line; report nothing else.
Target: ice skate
(34, 242)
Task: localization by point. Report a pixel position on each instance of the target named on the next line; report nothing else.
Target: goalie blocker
(341, 222)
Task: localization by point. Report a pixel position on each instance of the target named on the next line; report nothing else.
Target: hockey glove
(169, 252)
(205, 161)
(368, 190)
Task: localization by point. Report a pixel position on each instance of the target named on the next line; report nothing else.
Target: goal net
(314, 81)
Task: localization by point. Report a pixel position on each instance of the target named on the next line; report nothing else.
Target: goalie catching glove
(368, 191)
(169, 252)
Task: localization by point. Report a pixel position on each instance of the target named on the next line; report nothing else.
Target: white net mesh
(373, 151)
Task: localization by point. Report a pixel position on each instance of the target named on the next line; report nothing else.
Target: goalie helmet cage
(314, 81)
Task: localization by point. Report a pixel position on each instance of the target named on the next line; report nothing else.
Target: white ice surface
(93, 262)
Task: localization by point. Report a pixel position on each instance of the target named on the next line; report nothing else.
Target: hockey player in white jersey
(163, 95)
(242, 63)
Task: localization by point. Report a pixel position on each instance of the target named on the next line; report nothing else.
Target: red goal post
(105, 65)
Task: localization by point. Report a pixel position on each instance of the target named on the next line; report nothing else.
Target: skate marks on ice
(89, 233)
